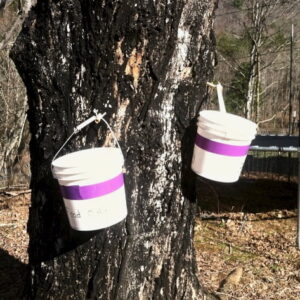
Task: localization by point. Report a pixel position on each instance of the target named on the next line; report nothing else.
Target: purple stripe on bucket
(220, 148)
(76, 192)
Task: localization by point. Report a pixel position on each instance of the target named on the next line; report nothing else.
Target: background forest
(257, 63)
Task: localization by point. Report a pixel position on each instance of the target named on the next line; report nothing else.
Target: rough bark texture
(144, 63)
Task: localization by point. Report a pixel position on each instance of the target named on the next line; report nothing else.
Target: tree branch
(274, 116)
(229, 64)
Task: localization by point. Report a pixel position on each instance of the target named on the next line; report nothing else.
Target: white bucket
(221, 145)
(92, 186)
(85, 162)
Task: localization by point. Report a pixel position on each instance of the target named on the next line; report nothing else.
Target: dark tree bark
(144, 63)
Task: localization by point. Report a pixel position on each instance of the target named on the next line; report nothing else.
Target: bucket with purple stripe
(92, 186)
(221, 148)
(221, 145)
(86, 192)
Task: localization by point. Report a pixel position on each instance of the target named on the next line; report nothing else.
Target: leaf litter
(245, 247)
(245, 244)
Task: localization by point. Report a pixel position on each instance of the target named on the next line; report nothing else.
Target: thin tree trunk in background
(250, 88)
(146, 65)
(258, 92)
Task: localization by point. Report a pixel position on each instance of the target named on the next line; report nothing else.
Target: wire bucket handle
(97, 118)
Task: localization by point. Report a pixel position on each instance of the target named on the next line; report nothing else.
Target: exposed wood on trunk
(146, 65)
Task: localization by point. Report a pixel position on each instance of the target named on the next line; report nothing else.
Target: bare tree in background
(261, 15)
(13, 99)
(254, 50)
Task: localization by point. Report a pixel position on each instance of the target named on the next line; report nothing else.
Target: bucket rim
(224, 125)
(204, 114)
(88, 168)
(60, 162)
(93, 177)
(78, 176)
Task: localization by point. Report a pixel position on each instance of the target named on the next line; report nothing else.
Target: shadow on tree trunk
(188, 176)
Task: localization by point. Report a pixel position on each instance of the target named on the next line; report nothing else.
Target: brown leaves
(13, 218)
(259, 248)
(233, 278)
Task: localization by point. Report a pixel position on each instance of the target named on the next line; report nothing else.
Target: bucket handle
(97, 118)
(219, 88)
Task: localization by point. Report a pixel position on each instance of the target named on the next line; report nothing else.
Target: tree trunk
(146, 65)
(258, 92)
(13, 105)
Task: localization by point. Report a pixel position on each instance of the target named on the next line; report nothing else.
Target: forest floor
(14, 208)
(245, 240)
